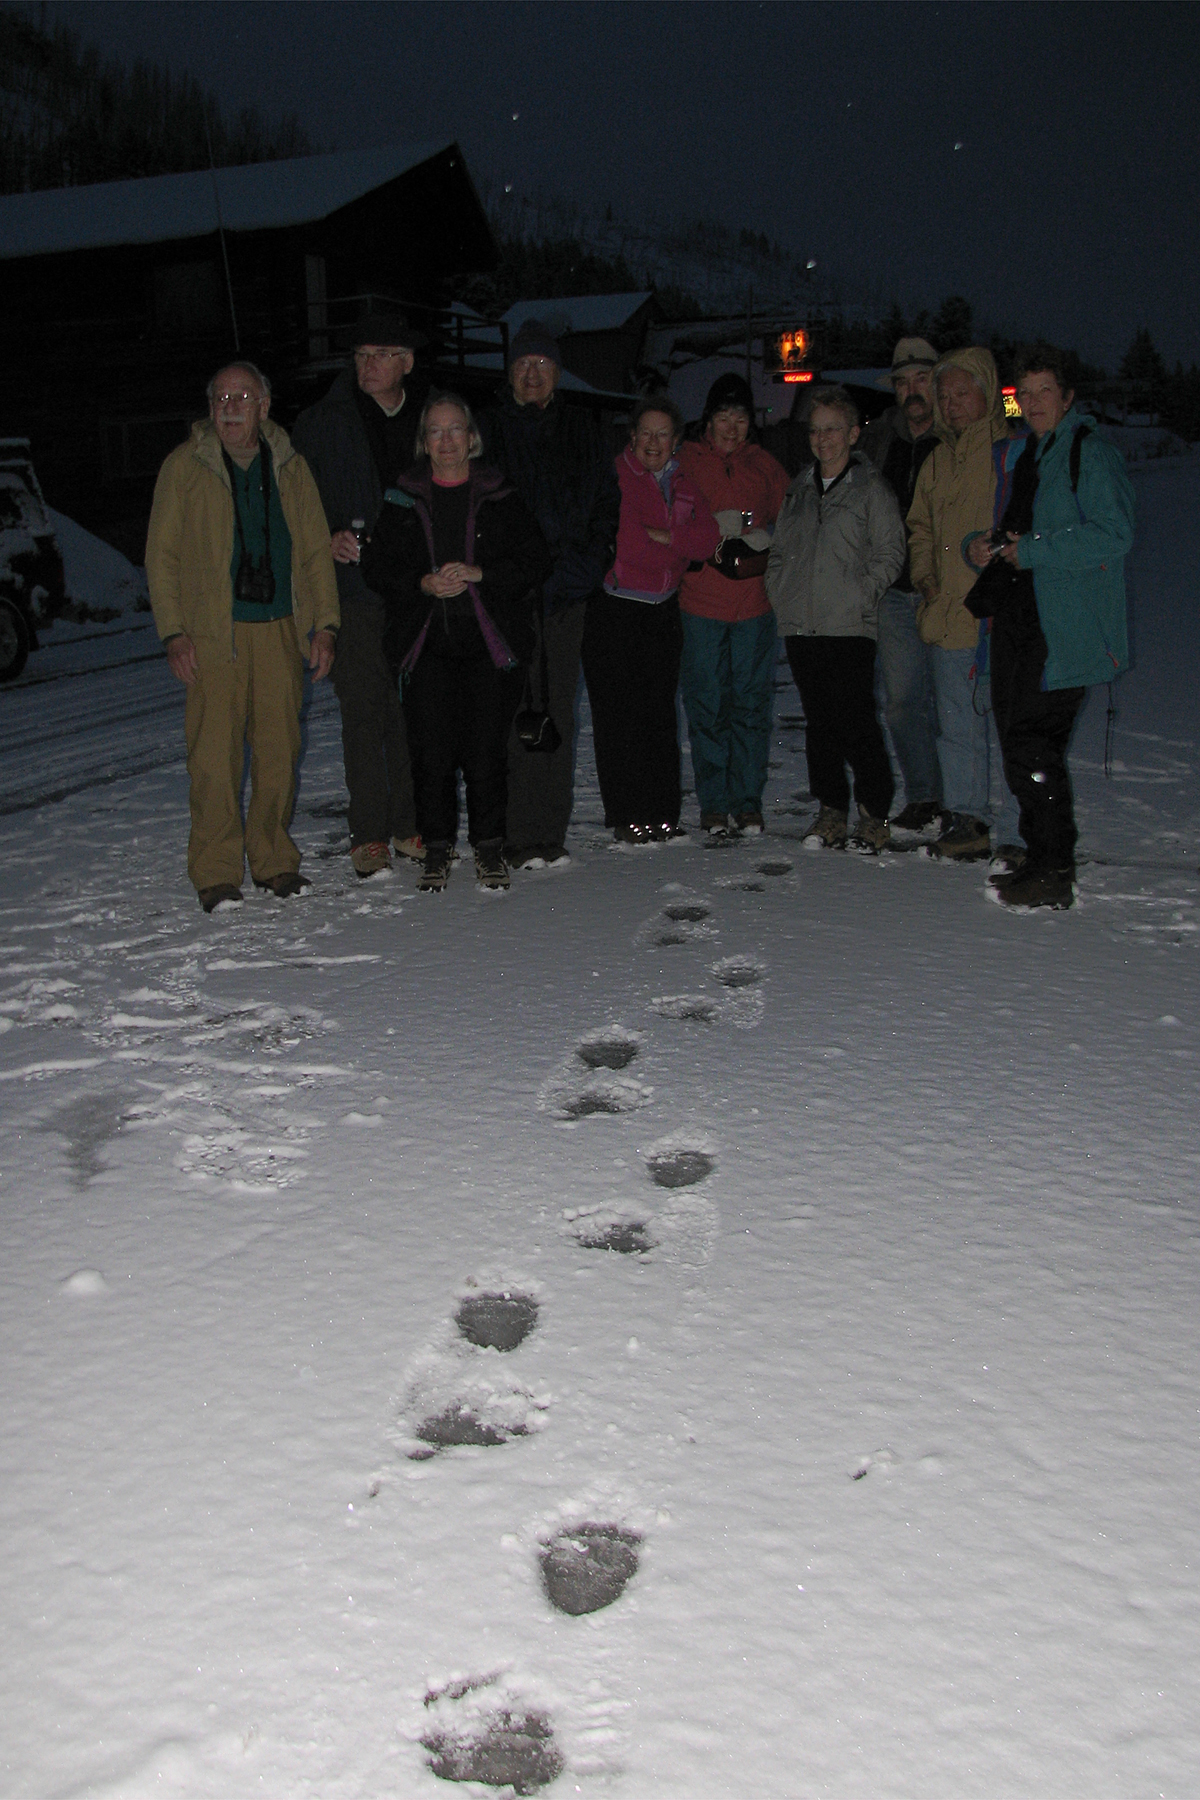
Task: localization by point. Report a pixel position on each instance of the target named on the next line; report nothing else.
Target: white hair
(250, 368)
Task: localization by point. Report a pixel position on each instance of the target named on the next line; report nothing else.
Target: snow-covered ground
(902, 1402)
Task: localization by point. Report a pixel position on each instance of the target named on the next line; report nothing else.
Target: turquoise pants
(727, 676)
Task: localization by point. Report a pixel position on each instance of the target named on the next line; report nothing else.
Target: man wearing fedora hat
(898, 443)
(356, 440)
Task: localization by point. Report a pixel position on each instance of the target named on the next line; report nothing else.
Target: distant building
(116, 301)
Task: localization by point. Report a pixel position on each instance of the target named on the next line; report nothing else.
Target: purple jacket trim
(422, 491)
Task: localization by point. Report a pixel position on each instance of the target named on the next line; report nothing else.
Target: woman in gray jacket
(838, 546)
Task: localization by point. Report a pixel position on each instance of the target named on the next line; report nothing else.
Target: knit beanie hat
(534, 339)
(728, 390)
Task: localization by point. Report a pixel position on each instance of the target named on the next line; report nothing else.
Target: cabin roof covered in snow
(586, 312)
(159, 208)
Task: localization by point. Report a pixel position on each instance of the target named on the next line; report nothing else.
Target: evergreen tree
(67, 118)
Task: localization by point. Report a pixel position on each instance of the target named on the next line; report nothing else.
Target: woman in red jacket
(632, 637)
(729, 642)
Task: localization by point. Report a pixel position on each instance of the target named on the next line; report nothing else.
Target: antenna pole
(237, 342)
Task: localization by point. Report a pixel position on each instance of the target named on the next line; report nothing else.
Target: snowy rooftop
(589, 312)
(158, 208)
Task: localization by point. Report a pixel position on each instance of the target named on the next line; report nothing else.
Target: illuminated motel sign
(788, 352)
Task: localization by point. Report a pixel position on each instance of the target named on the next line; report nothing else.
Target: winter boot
(410, 846)
(918, 815)
(491, 870)
(870, 835)
(827, 831)
(285, 886)
(436, 871)
(750, 823)
(1008, 862)
(715, 826)
(964, 839)
(1054, 888)
(222, 894)
(370, 859)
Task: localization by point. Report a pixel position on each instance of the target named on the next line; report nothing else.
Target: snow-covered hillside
(895, 1389)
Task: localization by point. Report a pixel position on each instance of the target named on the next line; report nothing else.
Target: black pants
(1034, 727)
(459, 711)
(836, 679)
(631, 654)
(541, 788)
(374, 741)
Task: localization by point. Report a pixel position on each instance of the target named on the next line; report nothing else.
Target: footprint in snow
(686, 912)
(615, 1048)
(496, 1321)
(587, 1567)
(571, 1095)
(738, 972)
(687, 1222)
(679, 1168)
(482, 1729)
(774, 867)
(693, 1008)
(623, 1233)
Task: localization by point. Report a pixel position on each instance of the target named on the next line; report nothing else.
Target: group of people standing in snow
(481, 565)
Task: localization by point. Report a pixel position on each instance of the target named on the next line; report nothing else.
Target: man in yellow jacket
(243, 590)
(955, 496)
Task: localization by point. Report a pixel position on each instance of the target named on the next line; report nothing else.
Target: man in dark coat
(556, 458)
(356, 441)
(898, 443)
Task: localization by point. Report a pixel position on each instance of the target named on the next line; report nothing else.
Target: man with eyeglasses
(555, 456)
(243, 593)
(356, 440)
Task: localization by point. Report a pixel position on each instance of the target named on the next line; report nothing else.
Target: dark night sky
(1070, 208)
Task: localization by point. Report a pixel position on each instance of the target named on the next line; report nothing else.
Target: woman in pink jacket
(729, 640)
(633, 636)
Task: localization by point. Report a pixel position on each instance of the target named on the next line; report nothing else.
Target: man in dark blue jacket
(555, 456)
(356, 441)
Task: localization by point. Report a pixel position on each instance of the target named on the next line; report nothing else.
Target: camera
(255, 584)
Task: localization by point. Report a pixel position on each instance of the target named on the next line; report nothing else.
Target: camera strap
(264, 462)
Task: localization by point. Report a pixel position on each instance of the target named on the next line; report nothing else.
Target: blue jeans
(906, 682)
(968, 746)
(727, 676)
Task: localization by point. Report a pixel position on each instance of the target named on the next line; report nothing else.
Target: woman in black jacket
(458, 559)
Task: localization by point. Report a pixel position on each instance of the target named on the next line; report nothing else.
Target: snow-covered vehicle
(32, 585)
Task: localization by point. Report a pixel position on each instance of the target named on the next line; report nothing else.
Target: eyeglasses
(525, 365)
(366, 356)
(242, 399)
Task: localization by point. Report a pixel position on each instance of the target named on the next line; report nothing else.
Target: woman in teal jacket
(1060, 626)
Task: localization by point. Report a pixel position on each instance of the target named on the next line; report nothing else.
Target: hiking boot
(1054, 888)
(436, 872)
(369, 859)
(663, 834)
(918, 815)
(827, 831)
(632, 834)
(223, 893)
(870, 835)
(716, 827)
(750, 824)
(285, 886)
(964, 838)
(1008, 862)
(491, 870)
(410, 846)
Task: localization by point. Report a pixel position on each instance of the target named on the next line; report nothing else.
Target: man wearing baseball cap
(898, 443)
(356, 441)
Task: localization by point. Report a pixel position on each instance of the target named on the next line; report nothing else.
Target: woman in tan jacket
(955, 497)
